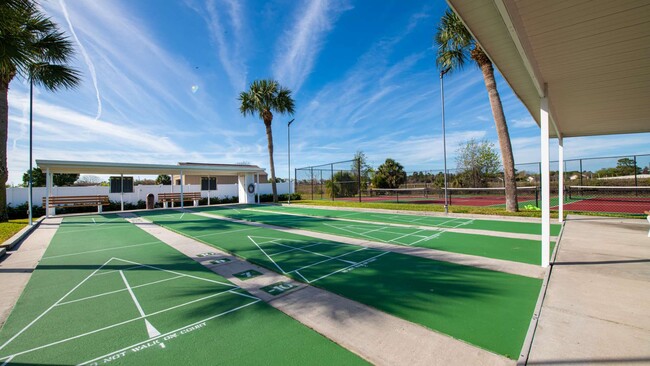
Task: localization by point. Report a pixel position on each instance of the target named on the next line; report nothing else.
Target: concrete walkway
(378, 337)
(17, 267)
(521, 269)
(597, 306)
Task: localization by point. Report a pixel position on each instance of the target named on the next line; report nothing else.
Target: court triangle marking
(151, 330)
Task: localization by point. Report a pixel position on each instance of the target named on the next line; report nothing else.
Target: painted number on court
(247, 274)
(278, 288)
(206, 254)
(219, 260)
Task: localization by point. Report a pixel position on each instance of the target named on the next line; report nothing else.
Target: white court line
(171, 332)
(118, 324)
(151, 330)
(135, 299)
(406, 235)
(293, 250)
(103, 250)
(269, 257)
(116, 291)
(177, 273)
(327, 260)
(357, 264)
(303, 277)
(315, 253)
(7, 361)
(53, 305)
(183, 214)
(94, 222)
(117, 270)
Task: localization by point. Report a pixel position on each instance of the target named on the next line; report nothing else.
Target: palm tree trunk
(269, 137)
(504, 137)
(4, 123)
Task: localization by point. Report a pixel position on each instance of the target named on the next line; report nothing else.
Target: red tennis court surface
(633, 205)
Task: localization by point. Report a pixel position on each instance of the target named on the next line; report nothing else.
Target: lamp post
(444, 141)
(31, 98)
(289, 156)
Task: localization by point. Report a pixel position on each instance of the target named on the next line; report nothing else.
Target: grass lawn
(8, 229)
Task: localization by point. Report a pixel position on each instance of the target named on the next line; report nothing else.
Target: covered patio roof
(590, 58)
(93, 167)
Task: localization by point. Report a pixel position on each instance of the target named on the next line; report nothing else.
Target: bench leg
(52, 211)
(165, 204)
(196, 203)
(99, 208)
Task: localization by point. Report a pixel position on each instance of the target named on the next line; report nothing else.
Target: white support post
(121, 192)
(182, 203)
(257, 189)
(560, 193)
(48, 191)
(208, 190)
(546, 212)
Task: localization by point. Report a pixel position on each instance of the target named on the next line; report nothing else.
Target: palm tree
(32, 47)
(455, 46)
(265, 97)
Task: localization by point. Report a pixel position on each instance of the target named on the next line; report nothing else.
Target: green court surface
(435, 221)
(511, 249)
(489, 309)
(106, 291)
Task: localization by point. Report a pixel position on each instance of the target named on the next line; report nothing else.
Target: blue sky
(161, 80)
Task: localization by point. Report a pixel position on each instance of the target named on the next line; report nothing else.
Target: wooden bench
(76, 201)
(165, 198)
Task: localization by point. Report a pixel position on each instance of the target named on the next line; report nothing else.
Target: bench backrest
(176, 196)
(95, 200)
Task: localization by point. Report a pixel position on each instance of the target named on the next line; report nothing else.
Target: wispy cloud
(300, 45)
(226, 31)
(89, 62)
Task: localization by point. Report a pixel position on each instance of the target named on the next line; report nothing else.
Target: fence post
(295, 182)
(581, 173)
(636, 181)
(311, 170)
(359, 177)
(332, 181)
(320, 183)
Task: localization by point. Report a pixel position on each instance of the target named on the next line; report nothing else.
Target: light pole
(444, 141)
(31, 98)
(289, 156)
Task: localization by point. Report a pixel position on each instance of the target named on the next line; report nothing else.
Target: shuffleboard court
(434, 221)
(511, 249)
(489, 309)
(107, 292)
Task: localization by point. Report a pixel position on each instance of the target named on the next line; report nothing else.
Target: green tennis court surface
(489, 309)
(106, 292)
(435, 221)
(511, 249)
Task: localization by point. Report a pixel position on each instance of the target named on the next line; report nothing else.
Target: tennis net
(490, 196)
(395, 194)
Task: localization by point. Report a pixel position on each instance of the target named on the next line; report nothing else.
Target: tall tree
(360, 164)
(455, 46)
(390, 174)
(32, 47)
(263, 98)
(476, 161)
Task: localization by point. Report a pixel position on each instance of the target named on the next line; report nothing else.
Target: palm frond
(264, 97)
(54, 77)
(454, 42)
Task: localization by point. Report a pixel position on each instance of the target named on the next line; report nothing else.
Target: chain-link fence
(339, 180)
(344, 181)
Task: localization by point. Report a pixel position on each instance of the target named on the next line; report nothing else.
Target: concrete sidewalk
(596, 309)
(16, 269)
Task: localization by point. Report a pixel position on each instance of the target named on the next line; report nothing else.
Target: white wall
(18, 195)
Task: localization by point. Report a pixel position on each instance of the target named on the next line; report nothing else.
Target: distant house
(210, 182)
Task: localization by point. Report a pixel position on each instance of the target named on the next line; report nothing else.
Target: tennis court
(634, 200)
(106, 291)
(498, 247)
(489, 309)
